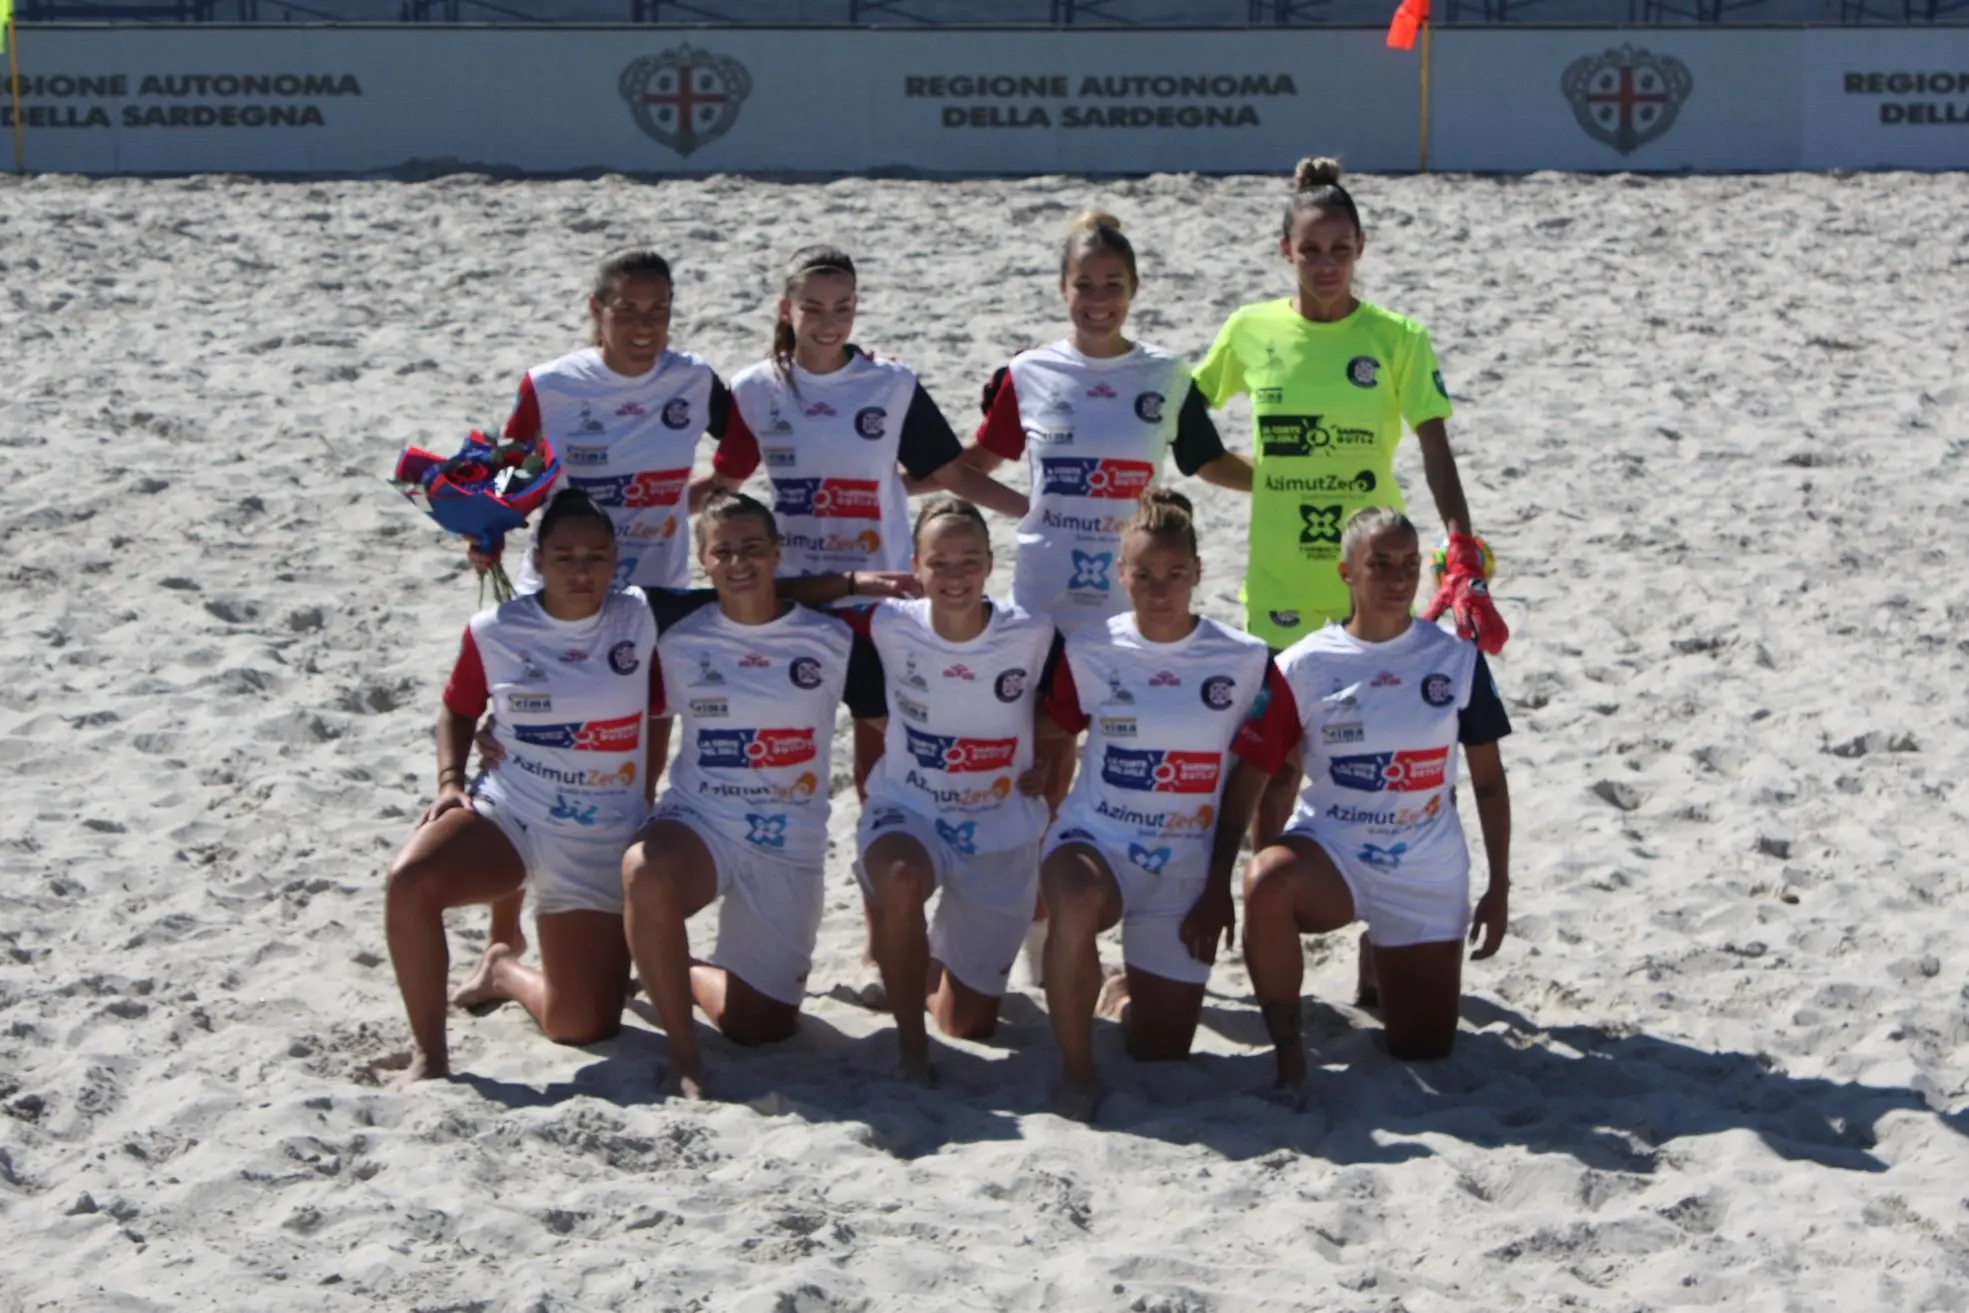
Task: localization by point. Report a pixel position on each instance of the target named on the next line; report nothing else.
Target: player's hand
(1211, 920)
(1493, 911)
(490, 753)
(450, 798)
(1032, 784)
(1465, 593)
(874, 584)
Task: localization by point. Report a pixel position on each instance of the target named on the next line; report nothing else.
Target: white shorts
(769, 910)
(1399, 909)
(985, 901)
(566, 870)
(1152, 908)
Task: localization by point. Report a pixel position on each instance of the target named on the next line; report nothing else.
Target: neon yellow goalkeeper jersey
(1328, 401)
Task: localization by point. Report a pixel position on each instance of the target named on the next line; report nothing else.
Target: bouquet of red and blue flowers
(484, 492)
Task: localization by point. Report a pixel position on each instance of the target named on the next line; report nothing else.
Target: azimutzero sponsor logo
(685, 97)
(1626, 97)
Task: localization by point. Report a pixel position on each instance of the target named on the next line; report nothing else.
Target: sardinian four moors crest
(685, 97)
(1626, 97)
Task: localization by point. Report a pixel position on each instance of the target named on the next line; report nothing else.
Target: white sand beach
(1717, 430)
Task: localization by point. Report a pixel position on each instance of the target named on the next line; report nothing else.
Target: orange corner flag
(1411, 16)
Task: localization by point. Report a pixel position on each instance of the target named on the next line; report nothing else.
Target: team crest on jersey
(1010, 685)
(676, 413)
(767, 831)
(1395, 772)
(684, 97)
(871, 422)
(1438, 690)
(962, 837)
(1156, 770)
(1148, 407)
(1362, 371)
(1217, 692)
(1082, 476)
(622, 658)
(804, 672)
(1285, 619)
(1090, 570)
(1152, 860)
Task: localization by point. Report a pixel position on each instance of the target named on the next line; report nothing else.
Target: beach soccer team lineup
(1032, 770)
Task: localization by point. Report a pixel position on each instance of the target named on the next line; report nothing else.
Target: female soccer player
(1093, 415)
(1331, 379)
(1151, 830)
(569, 669)
(1378, 708)
(946, 809)
(755, 681)
(625, 413)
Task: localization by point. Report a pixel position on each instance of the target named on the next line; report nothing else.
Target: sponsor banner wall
(261, 99)
(1617, 99)
(274, 100)
(1877, 99)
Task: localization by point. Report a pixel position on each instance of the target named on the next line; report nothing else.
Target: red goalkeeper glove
(1465, 593)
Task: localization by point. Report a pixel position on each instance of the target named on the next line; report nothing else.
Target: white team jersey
(628, 442)
(1160, 718)
(756, 710)
(831, 444)
(1379, 728)
(1093, 432)
(568, 701)
(960, 723)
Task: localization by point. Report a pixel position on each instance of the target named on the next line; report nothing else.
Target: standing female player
(1379, 707)
(569, 670)
(1331, 379)
(945, 808)
(1151, 830)
(624, 414)
(836, 429)
(755, 681)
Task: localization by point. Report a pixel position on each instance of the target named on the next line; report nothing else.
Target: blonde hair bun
(1316, 171)
(1092, 220)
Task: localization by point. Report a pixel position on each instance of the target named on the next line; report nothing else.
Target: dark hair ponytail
(806, 262)
(570, 506)
(1316, 187)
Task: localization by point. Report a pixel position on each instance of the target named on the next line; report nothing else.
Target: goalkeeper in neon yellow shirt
(1332, 380)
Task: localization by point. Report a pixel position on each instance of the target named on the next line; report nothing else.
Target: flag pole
(1425, 94)
(14, 80)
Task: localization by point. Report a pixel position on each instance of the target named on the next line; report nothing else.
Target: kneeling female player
(568, 669)
(1378, 708)
(1150, 832)
(754, 681)
(947, 804)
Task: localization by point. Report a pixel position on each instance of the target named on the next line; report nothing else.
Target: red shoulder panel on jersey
(1002, 433)
(1269, 734)
(738, 451)
(465, 693)
(1062, 702)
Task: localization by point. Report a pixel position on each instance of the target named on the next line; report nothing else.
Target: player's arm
(737, 454)
(1199, 448)
(1486, 766)
(826, 589)
(1213, 917)
(465, 698)
(929, 451)
(1445, 484)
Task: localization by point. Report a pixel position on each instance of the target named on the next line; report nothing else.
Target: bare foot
(1291, 1066)
(423, 1067)
(1113, 1002)
(477, 994)
(1077, 1101)
(1367, 983)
